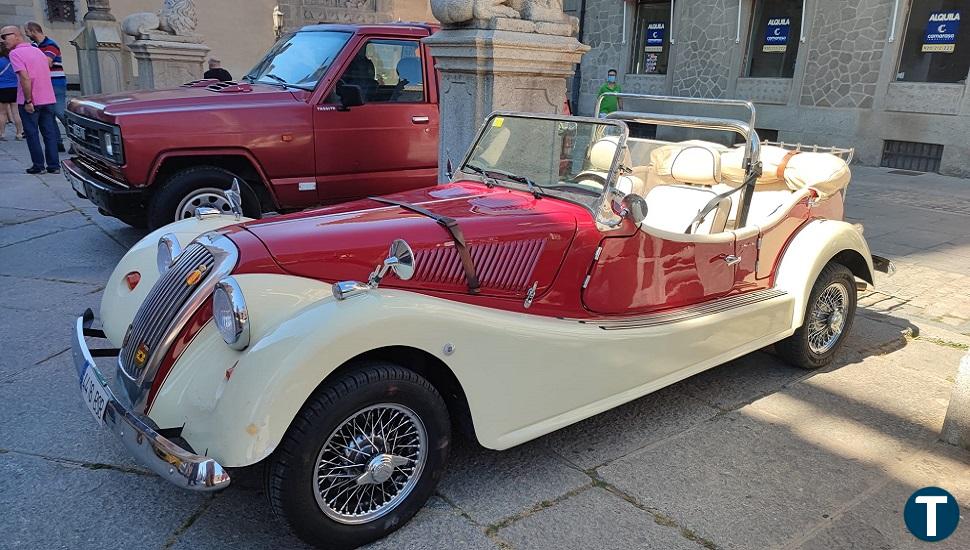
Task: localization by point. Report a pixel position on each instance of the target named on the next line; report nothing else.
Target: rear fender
(118, 303)
(816, 244)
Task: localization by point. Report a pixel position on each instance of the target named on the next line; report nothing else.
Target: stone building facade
(888, 77)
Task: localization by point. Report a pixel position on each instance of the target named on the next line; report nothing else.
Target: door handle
(420, 119)
(731, 259)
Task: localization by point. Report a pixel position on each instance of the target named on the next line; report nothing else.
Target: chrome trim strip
(170, 461)
(225, 256)
(689, 312)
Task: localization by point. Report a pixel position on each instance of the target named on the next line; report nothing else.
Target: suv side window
(387, 71)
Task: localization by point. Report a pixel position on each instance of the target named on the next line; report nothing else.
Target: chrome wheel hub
(827, 319)
(370, 463)
(211, 197)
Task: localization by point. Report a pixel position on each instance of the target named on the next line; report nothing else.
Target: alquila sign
(655, 37)
(776, 35)
(941, 32)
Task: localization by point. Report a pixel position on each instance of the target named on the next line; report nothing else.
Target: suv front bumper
(110, 198)
(170, 461)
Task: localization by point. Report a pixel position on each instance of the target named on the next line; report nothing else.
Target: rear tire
(379, 420)
(829, 313)
(187, 189)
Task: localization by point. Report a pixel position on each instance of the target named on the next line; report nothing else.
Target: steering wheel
(587, 176)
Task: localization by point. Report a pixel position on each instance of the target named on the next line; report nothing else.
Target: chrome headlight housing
(230, 314)
(168, 249)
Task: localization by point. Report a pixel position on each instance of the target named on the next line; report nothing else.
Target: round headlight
(168, 249)
(230, 314)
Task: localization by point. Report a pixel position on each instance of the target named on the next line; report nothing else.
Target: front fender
(118, 303)
(814, 246)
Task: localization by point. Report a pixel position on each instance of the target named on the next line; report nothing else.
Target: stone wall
(845, 52)
(603, 33)
(704, 32)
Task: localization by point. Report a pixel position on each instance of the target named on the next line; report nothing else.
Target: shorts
(8, 95)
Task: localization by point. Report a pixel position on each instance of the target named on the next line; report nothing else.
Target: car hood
(108, 107)
(515, 240)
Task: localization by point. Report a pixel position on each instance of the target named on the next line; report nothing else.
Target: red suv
(331, 113)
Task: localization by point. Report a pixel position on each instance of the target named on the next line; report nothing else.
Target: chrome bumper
(173, 463)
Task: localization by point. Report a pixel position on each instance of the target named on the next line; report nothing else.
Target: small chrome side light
(168, 249)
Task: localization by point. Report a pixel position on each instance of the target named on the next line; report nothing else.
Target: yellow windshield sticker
(498, 122)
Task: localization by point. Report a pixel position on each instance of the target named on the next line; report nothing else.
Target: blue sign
(941, 31)
(776, 35)
(931, 514)
(655, 36)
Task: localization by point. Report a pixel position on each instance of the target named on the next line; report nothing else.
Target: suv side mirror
(350, 96)
(634, 206)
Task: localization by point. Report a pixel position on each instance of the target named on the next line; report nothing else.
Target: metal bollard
(956, 425)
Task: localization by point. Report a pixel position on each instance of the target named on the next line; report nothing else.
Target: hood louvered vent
(501, 266)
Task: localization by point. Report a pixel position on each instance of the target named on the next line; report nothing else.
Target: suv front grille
(159, 309)
(90, 137)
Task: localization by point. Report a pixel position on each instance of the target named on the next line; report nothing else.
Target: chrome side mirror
(634, 207)
(400, 260)
(234, 197)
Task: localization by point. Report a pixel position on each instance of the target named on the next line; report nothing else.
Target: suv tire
(197, 186)
(350, 427)
(829, 313)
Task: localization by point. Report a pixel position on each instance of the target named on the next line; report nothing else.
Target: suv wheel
(191, 188)
(361, 457)
(828, 318)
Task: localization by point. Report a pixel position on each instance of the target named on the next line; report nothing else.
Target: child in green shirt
(610, 103)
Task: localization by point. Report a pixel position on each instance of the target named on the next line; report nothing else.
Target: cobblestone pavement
(753, 454)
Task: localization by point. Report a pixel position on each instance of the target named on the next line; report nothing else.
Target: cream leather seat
(673, 207)
(601, 159)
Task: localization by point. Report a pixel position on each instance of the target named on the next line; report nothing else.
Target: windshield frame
(276, 49)
(602, 204)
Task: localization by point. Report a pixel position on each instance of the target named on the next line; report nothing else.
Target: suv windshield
(299, 60)
(565, 157)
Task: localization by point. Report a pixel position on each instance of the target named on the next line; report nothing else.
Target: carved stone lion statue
(461, 12)
(177, 17)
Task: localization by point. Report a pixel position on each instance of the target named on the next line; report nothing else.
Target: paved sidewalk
(753, 454)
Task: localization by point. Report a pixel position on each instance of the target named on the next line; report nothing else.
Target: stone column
(167, 61)
(501, 64)
(956, 425)
(103, 63)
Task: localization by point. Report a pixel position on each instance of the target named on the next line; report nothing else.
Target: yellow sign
(498, 122)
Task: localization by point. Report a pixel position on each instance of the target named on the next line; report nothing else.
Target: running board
(691, 312)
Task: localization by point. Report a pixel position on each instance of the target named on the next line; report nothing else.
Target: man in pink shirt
(35, 98)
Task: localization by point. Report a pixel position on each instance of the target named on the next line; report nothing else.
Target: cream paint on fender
(118, 303)
(523, 375)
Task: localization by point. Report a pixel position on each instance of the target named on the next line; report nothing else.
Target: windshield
(567, 157)
(299, 60)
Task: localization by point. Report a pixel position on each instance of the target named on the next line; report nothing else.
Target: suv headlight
(230, 313)
(168, 249)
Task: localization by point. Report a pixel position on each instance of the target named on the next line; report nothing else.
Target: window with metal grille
(911, 155)
(62, 10)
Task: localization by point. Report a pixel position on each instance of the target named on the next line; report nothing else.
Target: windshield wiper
(533, 188)
(486, 179)
(276, 78)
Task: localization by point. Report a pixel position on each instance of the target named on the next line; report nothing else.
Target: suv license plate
(94, 394)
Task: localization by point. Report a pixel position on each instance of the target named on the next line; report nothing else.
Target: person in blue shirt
(8, 97)
(35, 32)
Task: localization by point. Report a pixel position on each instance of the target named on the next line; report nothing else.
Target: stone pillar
(956, 425)
(168, 61)
(104, 65)
(501, 64)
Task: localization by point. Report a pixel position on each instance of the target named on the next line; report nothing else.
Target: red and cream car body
(566, 269)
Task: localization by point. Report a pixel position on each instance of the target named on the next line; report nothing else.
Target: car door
(388, 144)
(650, 271)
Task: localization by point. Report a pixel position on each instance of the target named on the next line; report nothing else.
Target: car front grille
(158, 311)
(89, 135)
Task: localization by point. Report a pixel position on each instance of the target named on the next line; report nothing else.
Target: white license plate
(94, 394)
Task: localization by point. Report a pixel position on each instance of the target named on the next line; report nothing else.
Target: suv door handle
(420, 119)
(731, 259)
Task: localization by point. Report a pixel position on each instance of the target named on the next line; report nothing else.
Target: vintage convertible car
(566, 269)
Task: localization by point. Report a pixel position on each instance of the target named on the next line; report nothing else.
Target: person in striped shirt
(59, 80)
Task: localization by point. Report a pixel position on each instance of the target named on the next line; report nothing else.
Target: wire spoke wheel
(370, 463)
(828, 318)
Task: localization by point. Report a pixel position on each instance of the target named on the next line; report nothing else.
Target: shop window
(651, 38)
(933, 50)
(775, 34)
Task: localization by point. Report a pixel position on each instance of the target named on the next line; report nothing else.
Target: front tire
(829, 313)
(179, 196)
(361, 457)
